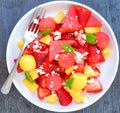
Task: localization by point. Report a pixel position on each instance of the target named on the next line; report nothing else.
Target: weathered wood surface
(10, 12)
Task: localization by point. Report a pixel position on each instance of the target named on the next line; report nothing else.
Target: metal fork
(30, 34)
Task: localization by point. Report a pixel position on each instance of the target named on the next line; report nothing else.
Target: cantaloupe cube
(51, 98)
(20, 43)
(92, 29)
(34, 74)
(59, 17)
(31, 86)
(46, 39)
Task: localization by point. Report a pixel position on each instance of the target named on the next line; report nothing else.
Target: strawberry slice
(40, 56)
(93, 86)
(41, 81)
(64, 97)
(71, 22)
(93, 22)
(48, 68)
(43, 92)
(54, 81)
(95, 56)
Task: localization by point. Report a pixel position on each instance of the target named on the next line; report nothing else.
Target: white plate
(108, 69)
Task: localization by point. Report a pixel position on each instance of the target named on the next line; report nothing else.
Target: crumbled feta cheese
(40, 71)
(57, 37)
(75, 67)
(57, 33)
(98, 51)
(79, 57)
(56, 56)
(92, 80)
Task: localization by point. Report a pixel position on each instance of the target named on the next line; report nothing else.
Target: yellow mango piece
(34, 75)
(51, 98)
(59, 17)
(78, 96)
(27, 63)
(80, 81)
(46, 39)
(31, 86)
(69, 70)
(106, 52)
(20, 43)
(92, 29)
(89, 71)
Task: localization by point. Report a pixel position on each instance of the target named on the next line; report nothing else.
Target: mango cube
(92, 29)
(76, 95)
(46, 39)
(106, 52)
(69, 70)
(20, 43)
(51, 98)
(31, 86)
(34, 74)
(59, 17)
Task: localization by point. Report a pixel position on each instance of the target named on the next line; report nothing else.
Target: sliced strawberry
(41, 81)
(67, 36)
(43, 92)
(56, 47)
(54, 81)
(71, 22)
(93, 22)
(95, 56)
(83, 15)
(93, 86)
(102, 40)
(66, 60)
(40, 56)
(64, 97)
(47, 23)
(48, 68)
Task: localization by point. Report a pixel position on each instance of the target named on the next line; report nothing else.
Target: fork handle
(8, 83)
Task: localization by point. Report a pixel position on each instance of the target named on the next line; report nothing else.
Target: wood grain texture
(10, 13)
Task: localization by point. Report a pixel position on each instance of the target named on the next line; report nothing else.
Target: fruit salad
(62, 63)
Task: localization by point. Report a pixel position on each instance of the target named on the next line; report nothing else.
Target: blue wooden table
(10, 12)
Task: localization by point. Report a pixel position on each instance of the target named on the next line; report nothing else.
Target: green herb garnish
(90, 38)
(46, 31)
(69, 82)
(68, 48)
(27, 76)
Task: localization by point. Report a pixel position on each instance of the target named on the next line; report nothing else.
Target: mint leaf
(68, 48)
(27, 76)
(90, 38)
(46, 31)
(69, 82)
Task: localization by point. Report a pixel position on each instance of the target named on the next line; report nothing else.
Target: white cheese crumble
(79, 57)
(92, 80)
